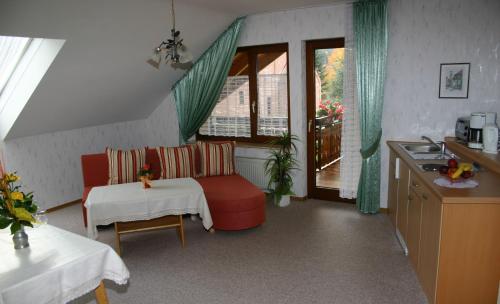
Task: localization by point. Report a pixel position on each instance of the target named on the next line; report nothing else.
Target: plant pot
(20, 239)
(284, 201)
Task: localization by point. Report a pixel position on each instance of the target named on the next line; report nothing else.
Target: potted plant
(16, 209)
(329, 111)
(279, 166)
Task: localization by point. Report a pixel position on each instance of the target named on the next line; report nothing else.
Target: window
(11, 51)
(253, 105)
(242, 98)
(269, 109)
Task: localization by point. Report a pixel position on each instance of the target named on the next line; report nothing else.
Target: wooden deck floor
(329, 177)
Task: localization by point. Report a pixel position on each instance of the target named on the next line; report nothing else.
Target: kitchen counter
(487, 160)
(450, 235)
(488, 190)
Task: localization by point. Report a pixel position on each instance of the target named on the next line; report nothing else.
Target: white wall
(422, 35)
(162, 125)
(49, 164)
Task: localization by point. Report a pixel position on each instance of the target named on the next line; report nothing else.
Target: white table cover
(131, 202)
(57, 267)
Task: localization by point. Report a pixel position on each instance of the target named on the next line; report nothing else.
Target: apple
(451, 171)
(443, 170)
(467, 174)
(452, 163)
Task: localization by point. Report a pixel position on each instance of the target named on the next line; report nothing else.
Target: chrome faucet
(441, 145)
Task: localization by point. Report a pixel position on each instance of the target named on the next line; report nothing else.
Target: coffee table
(134, 209)
(57, 267)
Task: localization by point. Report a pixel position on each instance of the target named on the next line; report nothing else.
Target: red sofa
(234, 202)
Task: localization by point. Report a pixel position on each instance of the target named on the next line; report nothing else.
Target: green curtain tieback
(367, 153)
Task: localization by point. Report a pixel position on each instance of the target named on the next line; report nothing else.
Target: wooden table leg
(180, 230)
(117, 240)
(100, 294)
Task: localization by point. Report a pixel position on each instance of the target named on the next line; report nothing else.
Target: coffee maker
(477, 122)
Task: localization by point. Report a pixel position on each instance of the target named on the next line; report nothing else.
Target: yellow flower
(8, 178)
(17, 196)
(23, 215)
(13, 177)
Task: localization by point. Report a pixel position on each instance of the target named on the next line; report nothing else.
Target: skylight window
(12, 50)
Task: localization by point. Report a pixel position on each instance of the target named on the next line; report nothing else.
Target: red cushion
(216, 158)
(231, 193)
(86, 191)
(95, 170)
(124, 165)
(177, 162)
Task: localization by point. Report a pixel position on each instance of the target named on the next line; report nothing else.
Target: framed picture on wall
(454, 80)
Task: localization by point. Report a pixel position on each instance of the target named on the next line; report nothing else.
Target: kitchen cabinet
(414, 222)
(429, 241)
(452, 236)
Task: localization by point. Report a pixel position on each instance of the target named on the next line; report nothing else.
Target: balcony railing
(328, 138)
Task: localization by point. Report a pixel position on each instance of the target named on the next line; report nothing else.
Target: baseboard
(383, 210)
(62, 206)
(298, 198)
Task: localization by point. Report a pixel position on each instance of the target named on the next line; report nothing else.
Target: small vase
(20, 239)
(146, 183)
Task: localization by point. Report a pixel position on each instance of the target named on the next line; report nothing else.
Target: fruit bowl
(456, 172)
(456, 180)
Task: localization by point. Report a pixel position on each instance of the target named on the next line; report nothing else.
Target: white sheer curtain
(350, 164)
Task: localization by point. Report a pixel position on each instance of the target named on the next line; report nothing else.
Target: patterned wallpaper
(49, 164)
(422, 35)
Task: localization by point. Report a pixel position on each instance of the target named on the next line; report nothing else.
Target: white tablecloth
(130, 202)
(59, 266)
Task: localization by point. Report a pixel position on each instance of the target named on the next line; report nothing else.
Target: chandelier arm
(173, 15)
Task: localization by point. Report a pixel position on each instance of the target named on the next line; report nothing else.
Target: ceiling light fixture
(172, 50)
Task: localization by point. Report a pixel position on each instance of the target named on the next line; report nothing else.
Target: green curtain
(197, 93)
(370, 36)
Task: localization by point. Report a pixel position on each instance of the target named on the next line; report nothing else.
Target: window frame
(252, 52)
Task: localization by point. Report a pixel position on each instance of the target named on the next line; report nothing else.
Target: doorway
(325, 70)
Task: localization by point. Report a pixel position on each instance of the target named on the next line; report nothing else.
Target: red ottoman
(234, 202)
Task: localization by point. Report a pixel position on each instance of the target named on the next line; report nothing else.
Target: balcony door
(325, 70)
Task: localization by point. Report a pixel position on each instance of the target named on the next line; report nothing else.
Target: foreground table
(133, 208)
(59, 266)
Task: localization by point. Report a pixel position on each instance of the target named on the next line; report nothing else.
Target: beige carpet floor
(309, 252)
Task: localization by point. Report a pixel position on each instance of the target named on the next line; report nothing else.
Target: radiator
(253, 170)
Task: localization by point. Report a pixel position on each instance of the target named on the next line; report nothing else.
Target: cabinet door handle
(253, 107)
(309, 125)
(414, 184)
(424, 196)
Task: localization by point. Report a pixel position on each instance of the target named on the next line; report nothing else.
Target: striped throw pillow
(124, 165)
(177, 162)
(216, 158)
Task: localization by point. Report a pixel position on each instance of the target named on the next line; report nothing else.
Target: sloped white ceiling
(100, 76)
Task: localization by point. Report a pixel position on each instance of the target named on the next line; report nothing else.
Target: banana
(461, 168)
(465, 166)
(457, 173)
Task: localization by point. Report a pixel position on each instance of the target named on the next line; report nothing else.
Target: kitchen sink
(425, 151)
(430, 167)
(422, 148)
